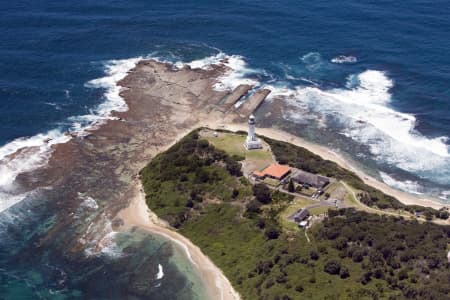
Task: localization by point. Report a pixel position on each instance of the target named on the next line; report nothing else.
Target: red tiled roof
(259, 174)
(276, 170)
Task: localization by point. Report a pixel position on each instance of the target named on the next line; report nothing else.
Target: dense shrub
(272, 233)
(302, 158)
(314, 255)
(395, 248)
(262, 193)
(344, 272)
(253, 207)
(332, 267)
(235, 193)
(291, 187)
(404, 258)
(443, 214)
(187, 170)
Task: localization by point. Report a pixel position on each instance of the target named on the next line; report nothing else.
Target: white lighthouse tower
(252, 142)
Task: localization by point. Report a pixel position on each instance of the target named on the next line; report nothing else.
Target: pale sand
(219, 287)
(326, 153)
(138, 214)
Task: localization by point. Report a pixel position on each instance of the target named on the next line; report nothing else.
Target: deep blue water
(50, 49)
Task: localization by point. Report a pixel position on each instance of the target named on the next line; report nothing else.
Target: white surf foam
(366, 115)
(160, 273)
(29, 153)
(343, 59)
(100, 239)
(88, 202)
(408, 186)
(115, 71)
(237, 73)
(24, 155)
(445, 195)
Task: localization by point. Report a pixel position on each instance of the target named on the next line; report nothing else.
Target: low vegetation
(352, 255)
(304, 159)
(177, 181)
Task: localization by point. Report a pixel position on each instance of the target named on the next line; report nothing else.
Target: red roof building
(276, 171)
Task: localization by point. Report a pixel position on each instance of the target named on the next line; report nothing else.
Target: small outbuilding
(301, 215)
(303, 223)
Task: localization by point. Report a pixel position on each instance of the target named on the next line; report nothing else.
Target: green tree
(314, 255)
(332, 267)
(272, 233)
(344, 272)
(291, 187)
(262, 193)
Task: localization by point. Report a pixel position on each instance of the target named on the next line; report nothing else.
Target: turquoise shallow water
(130, 265)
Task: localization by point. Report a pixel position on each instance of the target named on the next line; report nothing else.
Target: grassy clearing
(271, 181)
(308, 191)
(304, 159)
(352, 254)
(233, 144)
(319, 210)
(293, 207)
(296, 205)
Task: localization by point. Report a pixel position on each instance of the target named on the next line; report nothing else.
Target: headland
(165, 103)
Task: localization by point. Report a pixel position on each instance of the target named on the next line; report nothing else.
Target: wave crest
(29, 153)
(343, 59)
(366, 116)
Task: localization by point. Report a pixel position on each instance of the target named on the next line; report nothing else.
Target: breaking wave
(366, 116)
(237, 73)
(362, 107)
(26, 154)
(409, 186)
(160, 273)
(342, 59)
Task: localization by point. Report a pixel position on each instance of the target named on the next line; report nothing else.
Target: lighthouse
(252, 142)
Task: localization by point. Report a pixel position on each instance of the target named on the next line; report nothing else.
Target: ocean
(369, 80)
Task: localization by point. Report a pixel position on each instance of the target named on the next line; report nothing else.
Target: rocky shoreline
(164, 104)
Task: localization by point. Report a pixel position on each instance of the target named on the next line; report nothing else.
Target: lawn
(297, 204)
(271, 181)
(382, 256)
(308, 192)
(319, 210)
(233, 144)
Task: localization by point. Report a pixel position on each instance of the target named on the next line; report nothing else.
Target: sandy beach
(329, 154)
(164, 104)
(102, 164)
(138, 214)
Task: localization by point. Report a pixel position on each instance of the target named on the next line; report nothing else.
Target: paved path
(306, 235)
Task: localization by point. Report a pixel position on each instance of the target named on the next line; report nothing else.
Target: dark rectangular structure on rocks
(229, 100)
(253, 102)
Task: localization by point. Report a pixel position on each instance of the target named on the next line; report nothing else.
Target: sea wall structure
(100, 167)
(252, 103)
(227, 102)
(92, 177)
